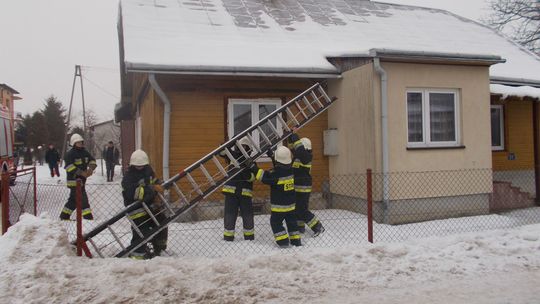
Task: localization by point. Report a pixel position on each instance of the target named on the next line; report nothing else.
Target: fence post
(35, 190)
(370, 205)
(5, 202)
(78, 204)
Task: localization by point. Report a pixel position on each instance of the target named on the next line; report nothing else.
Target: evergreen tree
(55, 121)
(37, 134)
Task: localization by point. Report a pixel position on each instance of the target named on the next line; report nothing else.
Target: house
(413, 85)
(102, 133)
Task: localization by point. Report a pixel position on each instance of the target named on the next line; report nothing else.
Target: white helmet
(306, 142)
(283, 155)
(138, 158)
(75, 138)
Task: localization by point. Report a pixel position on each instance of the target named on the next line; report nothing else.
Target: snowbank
(501, 266)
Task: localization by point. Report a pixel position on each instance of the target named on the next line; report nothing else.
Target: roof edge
(233, 71)
(514, 81)
(443, 56)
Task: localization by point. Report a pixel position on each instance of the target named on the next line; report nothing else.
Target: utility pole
(78, 73)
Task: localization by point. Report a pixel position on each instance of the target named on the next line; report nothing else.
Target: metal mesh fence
(21, 196)
(405, 205)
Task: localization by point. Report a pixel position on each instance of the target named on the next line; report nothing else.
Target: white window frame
(254, 102)
(501, 127)
(426, 123)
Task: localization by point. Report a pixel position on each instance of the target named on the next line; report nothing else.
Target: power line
(89, 68)
(100, 88)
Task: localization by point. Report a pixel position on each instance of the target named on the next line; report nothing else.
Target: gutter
(515, 81)
(384, 127)
(389, 54)
(166, 123)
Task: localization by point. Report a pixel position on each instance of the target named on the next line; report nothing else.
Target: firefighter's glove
(270, 153)
(159, 188)
(82, 173)
(89, 172)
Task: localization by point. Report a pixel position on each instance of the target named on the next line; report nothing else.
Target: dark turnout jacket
(77, 161)
(281, 181)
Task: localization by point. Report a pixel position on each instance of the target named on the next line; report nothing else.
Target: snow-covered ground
(501, 266)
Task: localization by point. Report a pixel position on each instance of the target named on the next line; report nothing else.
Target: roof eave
(514, 81)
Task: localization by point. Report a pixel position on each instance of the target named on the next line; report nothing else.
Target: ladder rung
(274, 129)
(180, 193)
(208, 176)
(283, 123)
(219, 166)
(134, 226)
(116, 237)
(292, 117)
(253, 144)
(166, 203)
(242, 150)
(196, 187)
(231, 158)
(266, 139)
(96, 248)
(317, 99)
(150, 213)
(300, 109)
(308, 103)
(323, 92)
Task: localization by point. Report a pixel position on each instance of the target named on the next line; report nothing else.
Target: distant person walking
(52, 157)
(111, 156)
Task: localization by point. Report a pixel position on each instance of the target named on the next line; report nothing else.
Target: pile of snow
(501, 266)
(522, 91)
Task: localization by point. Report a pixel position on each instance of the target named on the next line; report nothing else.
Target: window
(243, 113)
(497, 127)
(432, 118)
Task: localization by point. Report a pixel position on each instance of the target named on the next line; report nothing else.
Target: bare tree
(520, 19)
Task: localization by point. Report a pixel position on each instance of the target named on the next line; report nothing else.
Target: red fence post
(35, 190)
(78, 204)
(5, 202)
(370, 205)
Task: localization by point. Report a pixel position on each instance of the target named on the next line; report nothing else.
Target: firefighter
(80, 164)
(140, 184)
(302, 184)
(238, 195)
(281, 182)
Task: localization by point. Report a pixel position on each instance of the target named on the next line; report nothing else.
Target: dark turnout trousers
(232, 204)
(280, 234)
(304, 216)
(71, 205)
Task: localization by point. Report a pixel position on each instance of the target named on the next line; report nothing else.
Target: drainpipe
(166, 123)
(384, 127)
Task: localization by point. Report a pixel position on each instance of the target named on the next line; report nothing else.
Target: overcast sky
(43, 40)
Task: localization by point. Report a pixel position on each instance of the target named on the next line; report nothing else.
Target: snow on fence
(405, 205)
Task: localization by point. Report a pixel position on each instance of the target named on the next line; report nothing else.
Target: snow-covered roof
(299, 35)
(521, 91)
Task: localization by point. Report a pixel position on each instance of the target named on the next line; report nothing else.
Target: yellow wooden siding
(518, 133)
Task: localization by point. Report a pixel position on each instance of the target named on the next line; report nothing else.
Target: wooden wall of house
(199, 121)
(518, 136)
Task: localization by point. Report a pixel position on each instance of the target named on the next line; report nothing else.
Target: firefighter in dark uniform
(281, 181)
(303, 156)
(238, 196)
(79, 165)
(140, 184)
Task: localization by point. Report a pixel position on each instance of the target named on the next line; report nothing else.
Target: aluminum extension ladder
(187, 188)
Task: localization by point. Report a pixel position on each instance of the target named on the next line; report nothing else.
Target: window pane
(496, 127)
(414, 117)
(242, 117)
(264, 110)
(442, 117)
(3, 150)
